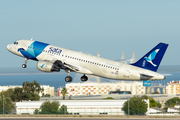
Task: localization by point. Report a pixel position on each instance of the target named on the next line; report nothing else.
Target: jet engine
(47, 66)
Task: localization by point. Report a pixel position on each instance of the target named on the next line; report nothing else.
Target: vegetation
(145, 97)
(51, 108)
(64, 92)
(8, 105)
(109, 98)
(152, 102)
(36, 111)
(29, 91)
(63, 109)
(47, 95)
(173, 101)
(136, 106)
(158, 105)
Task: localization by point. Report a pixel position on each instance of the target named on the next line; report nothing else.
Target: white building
(88, 88)
(80, 107)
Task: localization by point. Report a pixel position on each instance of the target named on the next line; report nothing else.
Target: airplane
(51, 59)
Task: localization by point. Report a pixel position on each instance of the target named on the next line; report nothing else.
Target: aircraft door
(127, 74)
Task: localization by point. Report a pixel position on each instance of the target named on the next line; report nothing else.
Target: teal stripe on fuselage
(35, 49)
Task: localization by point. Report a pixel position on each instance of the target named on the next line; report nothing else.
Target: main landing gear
(24, 65)
(84, 78)
(69, 78)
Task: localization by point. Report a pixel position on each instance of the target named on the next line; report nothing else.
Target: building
(173, 87)
(78, 107)
(89, 88)
(47, 90)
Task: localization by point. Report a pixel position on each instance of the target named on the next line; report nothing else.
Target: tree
(63, 109)
(17, 94)
(29, 91)
(144, 97)
(50, 107)
(7, 93)
(64, 92)
(152, 102)
(33, 87)
(35, 97)
(36, 111)
(136, 106)
(171, 102)
(47, 95)
(108, 98)
(8, 105)
(158, 105)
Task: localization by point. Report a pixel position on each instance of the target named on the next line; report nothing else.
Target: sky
(106, 26)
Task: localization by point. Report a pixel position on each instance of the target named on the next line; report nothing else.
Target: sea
(16, 76)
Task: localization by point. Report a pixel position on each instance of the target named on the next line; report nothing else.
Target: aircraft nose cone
(8, 47)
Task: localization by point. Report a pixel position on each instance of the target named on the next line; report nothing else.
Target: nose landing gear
(24, 65)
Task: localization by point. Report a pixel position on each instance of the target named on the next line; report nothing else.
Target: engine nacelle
(47, 66)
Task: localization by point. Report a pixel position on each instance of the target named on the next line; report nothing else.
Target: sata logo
(42, 66)
(55, 50)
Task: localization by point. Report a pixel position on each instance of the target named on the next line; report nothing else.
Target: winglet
(152, 59)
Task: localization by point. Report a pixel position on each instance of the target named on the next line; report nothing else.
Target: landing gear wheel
(84, 78)
(24, 66)
(68, 79)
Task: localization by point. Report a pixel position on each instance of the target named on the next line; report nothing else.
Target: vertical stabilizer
(152, 59)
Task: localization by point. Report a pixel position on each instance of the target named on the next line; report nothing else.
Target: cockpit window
(16, 43)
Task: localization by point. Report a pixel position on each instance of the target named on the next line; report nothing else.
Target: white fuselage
(88, 64)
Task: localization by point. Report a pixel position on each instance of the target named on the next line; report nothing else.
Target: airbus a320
(52, 58)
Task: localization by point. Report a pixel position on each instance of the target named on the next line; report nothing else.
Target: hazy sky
(106, 26)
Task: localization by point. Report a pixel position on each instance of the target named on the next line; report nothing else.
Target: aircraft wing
(71, 67)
